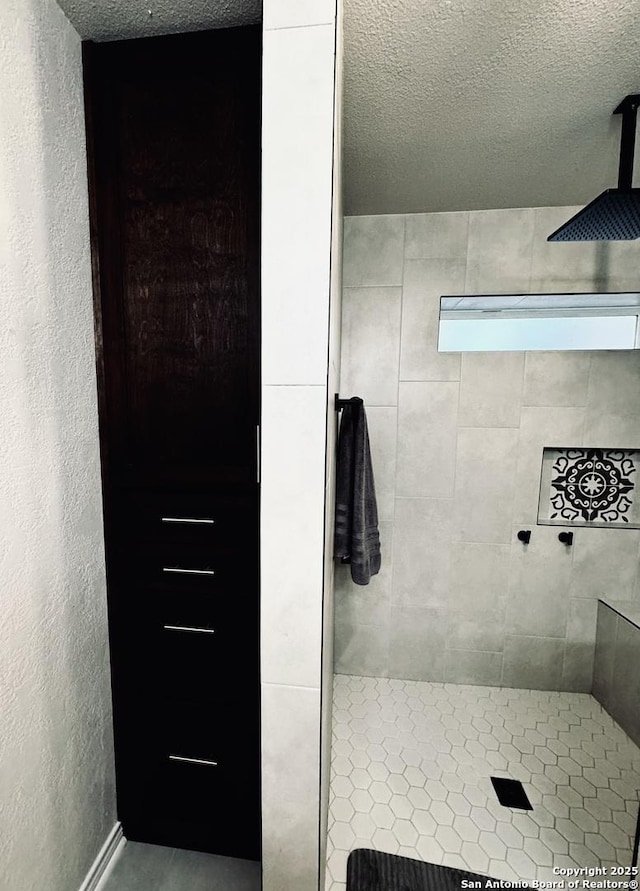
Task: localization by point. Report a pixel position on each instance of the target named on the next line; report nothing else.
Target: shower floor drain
(511, 793)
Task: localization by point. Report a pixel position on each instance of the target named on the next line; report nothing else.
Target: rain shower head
(615, 214)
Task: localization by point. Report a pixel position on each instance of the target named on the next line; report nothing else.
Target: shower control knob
(524, 536)
(566, 538)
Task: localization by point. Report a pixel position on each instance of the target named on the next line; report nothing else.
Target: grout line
(586, 402)
(373, 287)
(534, 232)
(458, 428)
(466, 256)
(404, 247)
(424, 498)
(394, 541)
(483, 426)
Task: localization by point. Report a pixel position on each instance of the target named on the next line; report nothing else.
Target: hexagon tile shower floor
(411, 767)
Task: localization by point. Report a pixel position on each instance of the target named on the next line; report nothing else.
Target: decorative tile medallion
(589, 487)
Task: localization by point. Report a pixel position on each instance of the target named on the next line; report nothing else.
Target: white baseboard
(106, 858)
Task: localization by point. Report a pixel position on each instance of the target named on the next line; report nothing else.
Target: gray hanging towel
(357, 540)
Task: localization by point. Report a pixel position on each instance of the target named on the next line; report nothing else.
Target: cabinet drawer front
(197, 763)
(189, 645)
(224, 802)
(178, 567)
(223, 733)
(226, 615)
(210, 520)
(195, 661)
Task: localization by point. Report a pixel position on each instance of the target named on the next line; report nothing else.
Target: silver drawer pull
(187, 520)
(188, 571)
(193, 760)
(189, 628)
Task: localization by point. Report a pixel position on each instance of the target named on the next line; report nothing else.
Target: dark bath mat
(374, 871)
(511, 793)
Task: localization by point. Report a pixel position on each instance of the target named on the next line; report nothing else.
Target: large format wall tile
(604, 656)
(616, 266)
(436, 236)
(366, 604)
(605, 562)
(362, 616)
(479, 576)
(416, 649)
(499, 251)
(475, 630)
(577, 671)
(613, 382)
(613, 407)
(427, 439)
(477, 596)
(364, 648)
(469, 667)
(539, 579)
(611, 430)
(422, 535)
(490, 389)
(533, 663)
(562, 263)
(292, 533)
(625, 684)
(370, 344)
(485, 475)
(540, 427)
(297, 155)
(383, 423)
(556, 378)
(425, 282)
(465, 484)
(373, 251)
(290, 788)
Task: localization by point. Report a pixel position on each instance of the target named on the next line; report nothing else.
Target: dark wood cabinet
(173, 126)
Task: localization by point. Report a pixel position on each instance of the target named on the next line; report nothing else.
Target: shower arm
(628, 108)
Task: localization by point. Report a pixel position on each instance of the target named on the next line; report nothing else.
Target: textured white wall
(56, 755)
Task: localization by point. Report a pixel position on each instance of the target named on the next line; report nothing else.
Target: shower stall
(481, 654)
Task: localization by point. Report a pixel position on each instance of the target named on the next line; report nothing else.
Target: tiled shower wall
(457, 445)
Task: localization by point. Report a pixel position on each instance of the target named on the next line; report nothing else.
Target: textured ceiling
(123, 19)
(470, 104)
(452, 104)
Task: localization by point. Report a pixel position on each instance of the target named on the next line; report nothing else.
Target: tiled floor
(411, 763)
(153, 868)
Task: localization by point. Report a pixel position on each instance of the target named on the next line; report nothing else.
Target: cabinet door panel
(179, 150)
(197, 776)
